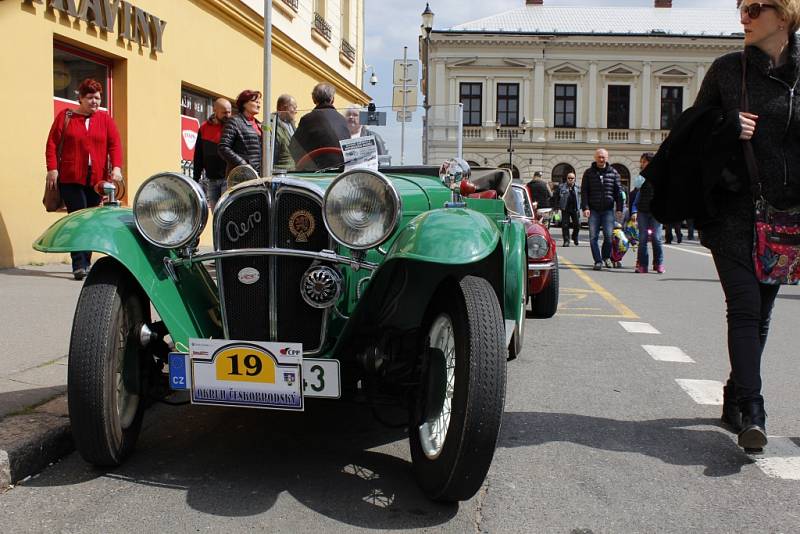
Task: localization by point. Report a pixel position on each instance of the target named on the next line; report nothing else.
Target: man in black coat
(320, 130)
(600, 192)
(569, 202)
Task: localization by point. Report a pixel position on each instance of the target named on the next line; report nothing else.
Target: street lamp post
(523, 127)
(425, 42)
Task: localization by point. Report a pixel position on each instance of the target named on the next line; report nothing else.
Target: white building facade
(561, 82)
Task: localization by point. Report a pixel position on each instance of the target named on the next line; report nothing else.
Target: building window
(346, 19)
(619, 106)
(671, 105)
(471, 96)
(508, 104)
(560, 172)
(514, 169)
(624, 175)
(565, 104)
(196, 107)
(70, 67)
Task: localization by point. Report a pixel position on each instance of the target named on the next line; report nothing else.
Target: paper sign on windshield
(360, 153)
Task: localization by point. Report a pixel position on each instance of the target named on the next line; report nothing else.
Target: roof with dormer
(571, 20)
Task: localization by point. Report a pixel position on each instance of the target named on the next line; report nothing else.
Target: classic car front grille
(287, 277)
(270, 309)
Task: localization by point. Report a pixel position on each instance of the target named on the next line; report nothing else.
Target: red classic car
(542, 255)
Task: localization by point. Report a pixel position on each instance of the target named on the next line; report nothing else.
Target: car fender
(401, 289)
(451, 236)
(515, 275)
(189, 306)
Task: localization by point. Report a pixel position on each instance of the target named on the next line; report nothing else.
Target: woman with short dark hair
(80, 144)
(240, 143)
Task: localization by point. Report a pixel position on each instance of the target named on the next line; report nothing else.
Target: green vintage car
(359, 285)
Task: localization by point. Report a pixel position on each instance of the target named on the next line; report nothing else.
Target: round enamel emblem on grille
(302, 225)
(248, 275)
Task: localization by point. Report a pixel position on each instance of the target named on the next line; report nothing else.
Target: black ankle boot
(731, 415)
(753, 435)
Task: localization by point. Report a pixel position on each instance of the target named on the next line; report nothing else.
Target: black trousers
(749, 305)
(77, 197)
(574, 217)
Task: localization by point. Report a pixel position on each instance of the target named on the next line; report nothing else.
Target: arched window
(472, 164)
(560, 172)
(624, 176)
(514, 169)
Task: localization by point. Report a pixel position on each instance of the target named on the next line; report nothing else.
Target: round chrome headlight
(361, 209)
(537, 246)
(170, 210)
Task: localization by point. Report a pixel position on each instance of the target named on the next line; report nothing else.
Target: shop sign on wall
(133, 23)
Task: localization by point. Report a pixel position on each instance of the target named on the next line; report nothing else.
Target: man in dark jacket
(206, 157)
(569, 202)
(540, 191)
(322, 128)
(601, 192)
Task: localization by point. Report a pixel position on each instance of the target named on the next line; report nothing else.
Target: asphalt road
(598, 436)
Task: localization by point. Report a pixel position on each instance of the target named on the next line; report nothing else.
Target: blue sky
(392, 25)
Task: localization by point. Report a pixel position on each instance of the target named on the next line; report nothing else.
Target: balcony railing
(348, 50)
(505, 133)
(473, 132)
(322, 26)
(564, 134)
(618, 136)
(294, 4)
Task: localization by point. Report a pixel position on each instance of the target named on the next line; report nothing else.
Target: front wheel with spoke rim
(107, 366)
(459, 406)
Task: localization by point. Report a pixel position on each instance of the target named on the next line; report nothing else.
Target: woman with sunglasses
(772, 124)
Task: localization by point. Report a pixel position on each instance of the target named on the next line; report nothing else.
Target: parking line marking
(684, 249)
(638, 328)
(667, 354)
(781, 459)
(702, 391)
(624, 311)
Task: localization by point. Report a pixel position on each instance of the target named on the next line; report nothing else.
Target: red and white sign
(189, 129)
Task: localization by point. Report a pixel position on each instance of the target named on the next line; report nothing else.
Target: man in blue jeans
(600, 193)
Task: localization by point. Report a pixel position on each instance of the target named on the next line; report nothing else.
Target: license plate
(321, 378)
(246, 373)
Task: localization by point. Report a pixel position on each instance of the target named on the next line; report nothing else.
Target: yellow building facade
(161, 63)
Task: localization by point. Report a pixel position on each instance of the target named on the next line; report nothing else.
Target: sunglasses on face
(754, 10)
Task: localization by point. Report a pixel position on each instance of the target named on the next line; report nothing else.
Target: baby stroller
(620, 243)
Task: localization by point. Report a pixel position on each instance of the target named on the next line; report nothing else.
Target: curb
(30, 442)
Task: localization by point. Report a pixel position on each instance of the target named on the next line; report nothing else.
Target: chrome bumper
(549, 266)
(324, 255)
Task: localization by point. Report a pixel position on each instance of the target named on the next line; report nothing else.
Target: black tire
(545, 304)
(105, 349)
(457, 471)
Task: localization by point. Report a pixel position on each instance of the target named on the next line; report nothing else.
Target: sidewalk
(38, 303)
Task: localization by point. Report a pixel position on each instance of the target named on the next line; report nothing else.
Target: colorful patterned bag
(776, 251)
(776, 244)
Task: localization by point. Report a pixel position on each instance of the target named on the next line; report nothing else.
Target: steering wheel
(316, 152)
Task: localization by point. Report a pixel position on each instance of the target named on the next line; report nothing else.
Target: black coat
(240, 144)
(322, 127)
(601, 189)
(694, 156)
(728, 229)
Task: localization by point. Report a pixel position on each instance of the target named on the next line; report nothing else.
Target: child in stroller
(622, 239)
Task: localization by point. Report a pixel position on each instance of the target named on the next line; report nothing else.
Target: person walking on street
(540, 191)
(668, 229)
(765, 76)
(240, 143)
(601, 192)
(81, 145)
(649, 227)
(287, 111)
(569, 202)
(206, 152)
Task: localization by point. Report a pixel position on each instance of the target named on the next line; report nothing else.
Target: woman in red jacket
(80, 144)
